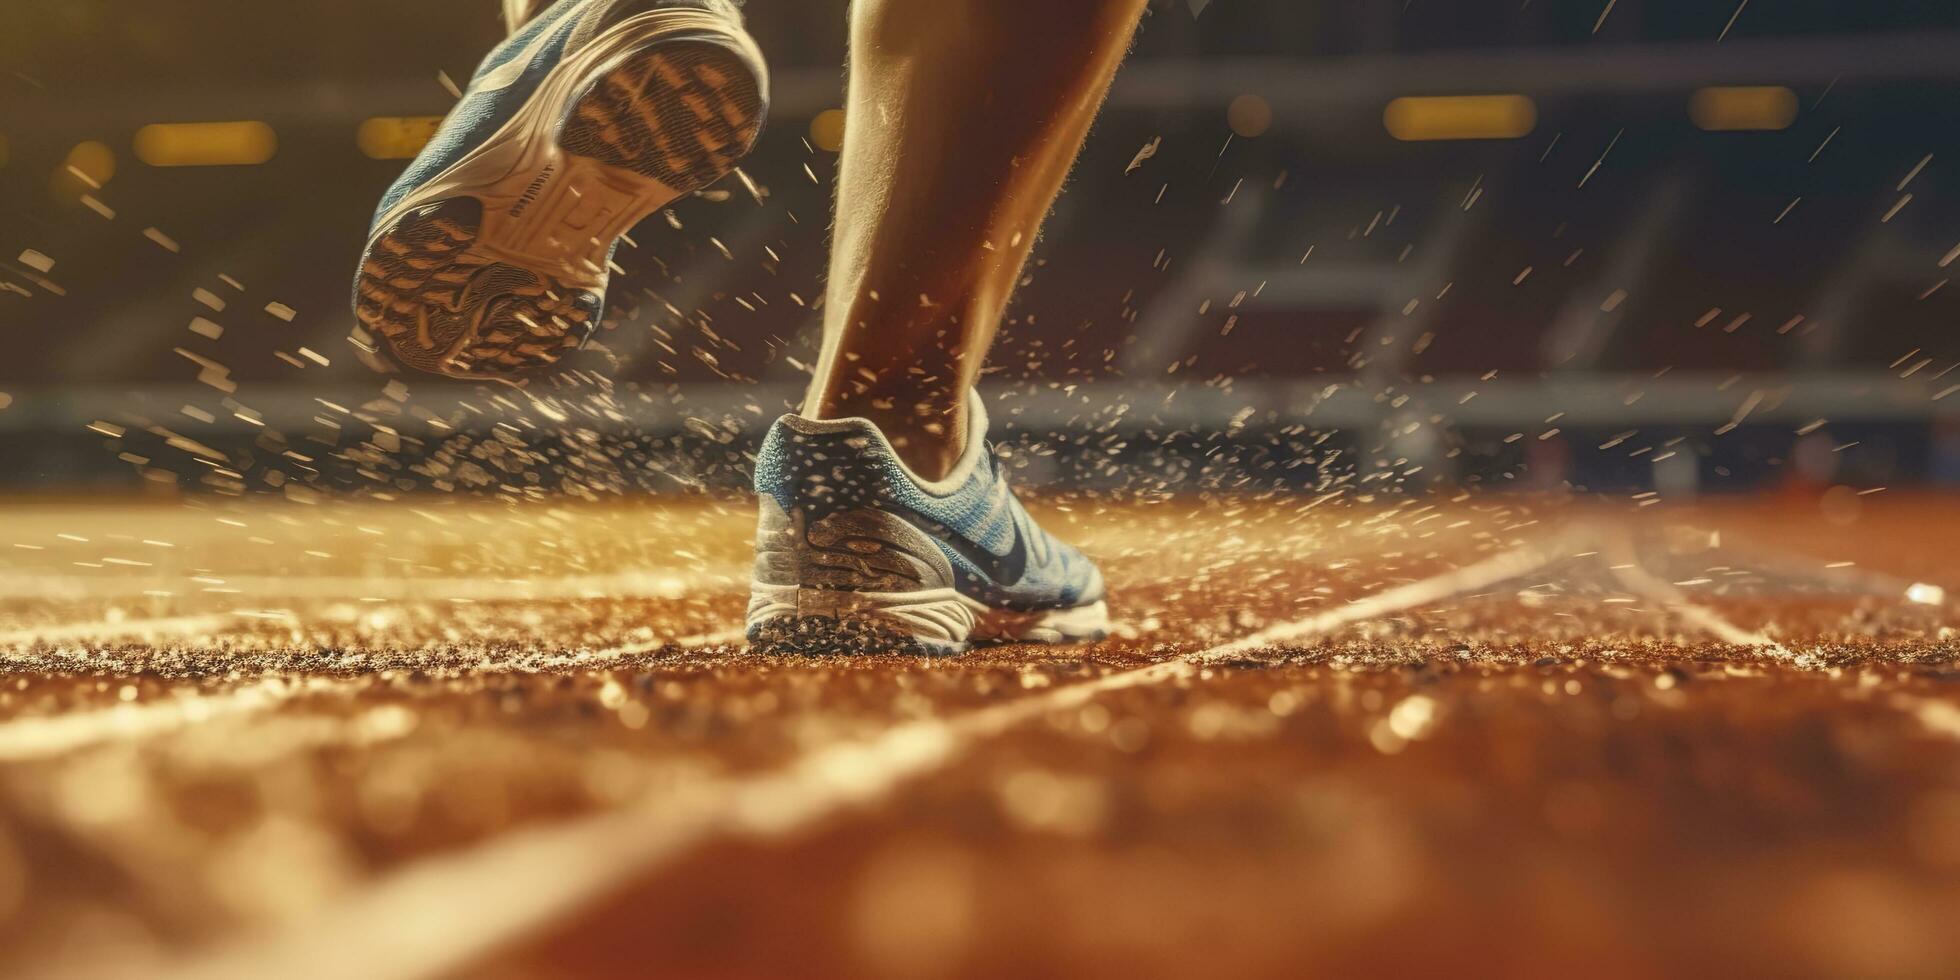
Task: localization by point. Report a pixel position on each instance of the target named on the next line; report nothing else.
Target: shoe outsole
(683, 114)
(820, 622)
(825, 636)
(661, 121)
(445, 308)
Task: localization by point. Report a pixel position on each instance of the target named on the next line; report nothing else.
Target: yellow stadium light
(1733, 108)
(210, 144)
(88, 165)
(395, 137)
(1249, 115)
(1460, 117)
(827, 130)
(91, 162)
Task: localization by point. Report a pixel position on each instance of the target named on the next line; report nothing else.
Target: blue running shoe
(857, 554)
(490, 255)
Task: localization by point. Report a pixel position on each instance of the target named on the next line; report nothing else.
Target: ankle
(928, 449)
(929, 435)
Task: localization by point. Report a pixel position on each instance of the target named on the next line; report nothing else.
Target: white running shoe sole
(793, 619)
(864, 580)
(498, 264)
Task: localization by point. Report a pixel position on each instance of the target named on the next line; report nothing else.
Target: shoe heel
(680, 111)
(852, 581)
(807, 622)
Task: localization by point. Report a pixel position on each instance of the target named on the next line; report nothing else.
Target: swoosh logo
(1004, 570)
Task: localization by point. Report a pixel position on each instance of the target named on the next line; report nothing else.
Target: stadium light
(91, 161)
(1460, 117)
(88, 165)
(1249, 115)
(208, 144)
(827, 130)
(395, 137)
(1743, 108)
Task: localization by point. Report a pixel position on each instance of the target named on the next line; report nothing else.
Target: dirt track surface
(1476, 736)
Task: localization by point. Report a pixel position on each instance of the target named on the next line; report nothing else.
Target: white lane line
(1937, 716)
(1638, 580)
(640, 584)
(1490, 571)
(438, 915)
(110, 629)
(25, 739)
(41, 737)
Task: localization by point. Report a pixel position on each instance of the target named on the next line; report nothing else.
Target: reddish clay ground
(1473, 736)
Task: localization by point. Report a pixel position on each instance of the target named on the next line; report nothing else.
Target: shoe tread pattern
(443, 308)
(682, 112)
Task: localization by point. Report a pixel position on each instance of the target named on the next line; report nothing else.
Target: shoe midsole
(531, 188)
(936, 615)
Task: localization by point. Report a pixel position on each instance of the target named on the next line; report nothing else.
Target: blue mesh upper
(481, 113)
(543, 43)
(558, 30)
(823, 467)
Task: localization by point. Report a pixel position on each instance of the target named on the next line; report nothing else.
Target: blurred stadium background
(1618, 244)
(1644, 250)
